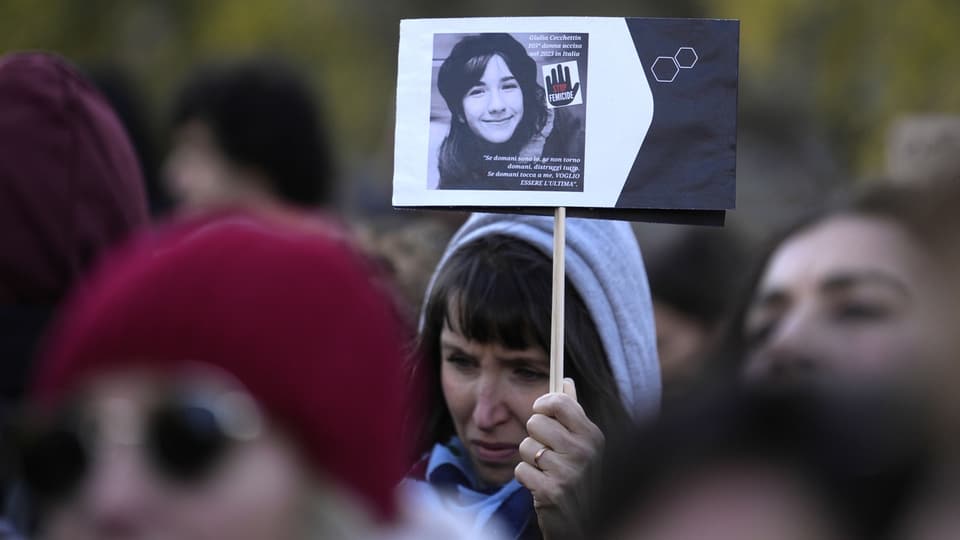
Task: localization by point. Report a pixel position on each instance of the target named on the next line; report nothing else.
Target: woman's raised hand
(562, 447)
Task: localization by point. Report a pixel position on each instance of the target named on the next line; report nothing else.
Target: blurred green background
(821, 81)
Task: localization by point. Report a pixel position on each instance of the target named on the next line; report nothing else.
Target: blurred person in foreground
(496, 446)
(248, 133)
(932, 210)
(866, 293)
(695, 276)
(854, 292)
(238, 376)
(70, 187)
(829, 462)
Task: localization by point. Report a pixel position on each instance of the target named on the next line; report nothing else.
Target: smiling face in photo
(493, 107)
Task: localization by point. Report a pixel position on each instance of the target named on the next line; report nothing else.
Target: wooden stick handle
(556, 320)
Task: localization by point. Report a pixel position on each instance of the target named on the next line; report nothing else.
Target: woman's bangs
(494, 306)
(474, 68)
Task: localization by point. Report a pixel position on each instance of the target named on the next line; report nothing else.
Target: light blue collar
(449, 469)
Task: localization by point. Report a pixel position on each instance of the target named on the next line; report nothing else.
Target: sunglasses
(183, 437)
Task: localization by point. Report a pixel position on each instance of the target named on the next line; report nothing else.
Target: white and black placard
(611, 117)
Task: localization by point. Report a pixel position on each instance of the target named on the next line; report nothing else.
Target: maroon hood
(70, 183)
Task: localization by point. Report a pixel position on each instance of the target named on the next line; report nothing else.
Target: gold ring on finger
(538, 455)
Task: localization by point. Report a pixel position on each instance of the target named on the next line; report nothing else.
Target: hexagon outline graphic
(696, 57)
(676, 70)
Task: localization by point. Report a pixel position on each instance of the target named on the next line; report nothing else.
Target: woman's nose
(793, 352)
(495, 103)
(490, 409)
(117, 492)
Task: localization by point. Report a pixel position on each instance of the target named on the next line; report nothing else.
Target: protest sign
(609, 117)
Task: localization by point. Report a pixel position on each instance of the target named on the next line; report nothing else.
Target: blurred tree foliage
(843, 68)
(850, 66)
(345, 50)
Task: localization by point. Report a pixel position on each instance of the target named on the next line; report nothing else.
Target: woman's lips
(494, 452)
(499, 122)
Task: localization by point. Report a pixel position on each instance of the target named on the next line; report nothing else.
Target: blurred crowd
(198, 343)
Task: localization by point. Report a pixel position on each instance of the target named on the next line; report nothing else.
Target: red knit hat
(294, 314)
(70, 182)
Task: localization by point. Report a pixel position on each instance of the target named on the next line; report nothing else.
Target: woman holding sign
(511, 455)
(498, 107)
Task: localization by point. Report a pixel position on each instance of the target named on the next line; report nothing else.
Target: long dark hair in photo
(461, 151)
(502, 291)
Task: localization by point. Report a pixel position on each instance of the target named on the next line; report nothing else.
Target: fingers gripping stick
(556, 320)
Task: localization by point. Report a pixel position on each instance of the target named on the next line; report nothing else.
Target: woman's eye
(513, 85)
(758, 335)
(475, 91)
(861, 312)
(531, 375)
(461, 362)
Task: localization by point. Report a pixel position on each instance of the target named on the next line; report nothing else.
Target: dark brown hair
(460, 152)
(503, 291)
